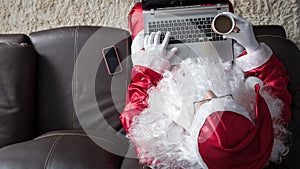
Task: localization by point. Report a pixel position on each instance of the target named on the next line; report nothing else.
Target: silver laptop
(191, 32)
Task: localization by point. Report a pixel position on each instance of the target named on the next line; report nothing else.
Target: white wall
(24, 16)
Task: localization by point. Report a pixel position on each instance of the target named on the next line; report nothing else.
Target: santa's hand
(245, 36)
(152, 44)
(156, 56)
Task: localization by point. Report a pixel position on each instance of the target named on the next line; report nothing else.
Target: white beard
(190, 81)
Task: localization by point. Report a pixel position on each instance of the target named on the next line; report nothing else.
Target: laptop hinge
(219, 8)
(152, 11)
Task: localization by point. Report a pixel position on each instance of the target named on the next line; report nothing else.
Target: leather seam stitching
(69, 134)
(75, 75)
(66, 134)
(81, 135)
(53, 147)
(271, 36)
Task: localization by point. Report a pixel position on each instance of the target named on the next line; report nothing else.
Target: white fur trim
(150, 60)
(256, 59)
(216, 105)
(251, 81)
(137, 43)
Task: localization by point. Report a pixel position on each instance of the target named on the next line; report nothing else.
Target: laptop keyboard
(186, 30)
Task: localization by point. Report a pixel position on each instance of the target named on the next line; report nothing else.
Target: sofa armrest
(17, 92)
(269, 30)
(288, 53)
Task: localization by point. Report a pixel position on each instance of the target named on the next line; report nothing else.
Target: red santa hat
(229, 140)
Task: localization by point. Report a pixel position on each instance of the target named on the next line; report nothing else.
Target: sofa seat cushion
(63, 149)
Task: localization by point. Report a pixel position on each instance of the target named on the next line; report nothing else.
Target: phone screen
(112, 60)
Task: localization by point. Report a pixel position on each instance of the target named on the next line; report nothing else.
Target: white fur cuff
(150, 60)
(255, 59)
(252, 81)
(138, 42)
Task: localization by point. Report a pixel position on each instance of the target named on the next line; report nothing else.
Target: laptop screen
(152, 4)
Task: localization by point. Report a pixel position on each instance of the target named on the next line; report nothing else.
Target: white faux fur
(138, 43)
(150, 60)
(255, 59)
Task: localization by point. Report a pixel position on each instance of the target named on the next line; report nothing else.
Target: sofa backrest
(74, 89)
(14, 38)
(17, 90)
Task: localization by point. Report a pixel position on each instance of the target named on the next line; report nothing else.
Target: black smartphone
(112, 60)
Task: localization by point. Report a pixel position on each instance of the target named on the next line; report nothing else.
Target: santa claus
(203, 113)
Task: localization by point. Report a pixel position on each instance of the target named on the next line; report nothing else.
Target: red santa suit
(243, 131)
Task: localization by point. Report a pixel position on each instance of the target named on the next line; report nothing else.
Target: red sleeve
(142, 79)
(274, 76)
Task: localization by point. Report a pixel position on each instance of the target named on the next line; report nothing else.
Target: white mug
(223, 24)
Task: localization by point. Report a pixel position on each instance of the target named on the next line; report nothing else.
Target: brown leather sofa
(59, 107)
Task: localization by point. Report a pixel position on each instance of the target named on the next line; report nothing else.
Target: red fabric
(235, 142)
(143, 79)
(274, 76)
(136, 20)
